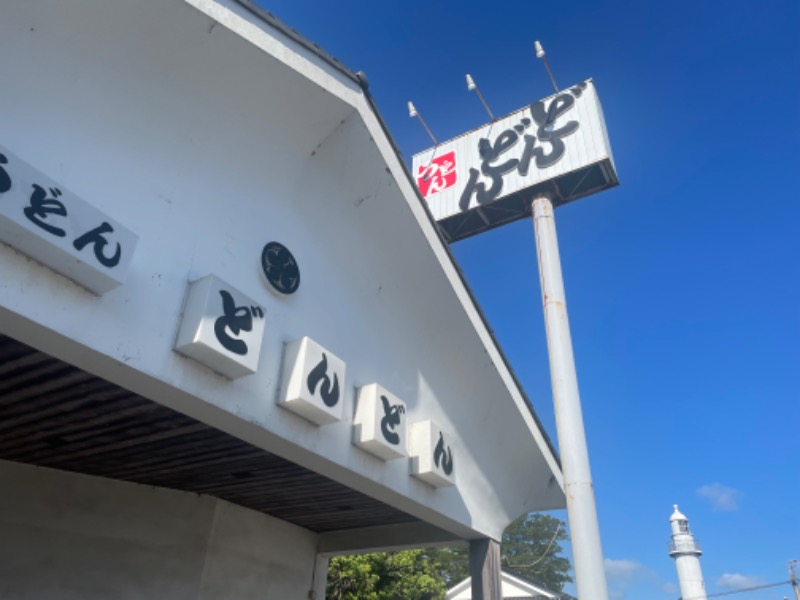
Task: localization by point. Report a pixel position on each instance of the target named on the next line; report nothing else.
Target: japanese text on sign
(481, 179)
(59, 229)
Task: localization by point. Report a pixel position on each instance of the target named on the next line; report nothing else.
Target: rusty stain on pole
(587, 552)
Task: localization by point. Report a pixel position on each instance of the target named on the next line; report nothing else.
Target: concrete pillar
(319, 578)
(484, 568)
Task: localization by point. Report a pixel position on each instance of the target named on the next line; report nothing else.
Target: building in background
(232, 341)
(514, 588)
(686, 552)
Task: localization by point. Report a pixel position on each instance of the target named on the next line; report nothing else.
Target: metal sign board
(488, 177)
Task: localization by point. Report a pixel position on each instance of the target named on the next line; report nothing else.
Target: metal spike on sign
(412, 112)
(540, 53)
(471, 85)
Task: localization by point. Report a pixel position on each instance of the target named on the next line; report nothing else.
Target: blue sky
(682, 284)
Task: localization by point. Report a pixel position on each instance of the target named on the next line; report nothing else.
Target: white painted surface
(587, 550)
(686, 553)
(313, 382)
(380, 425)
(221, 328)
(434, 455)
(209, 134)
(44, 220)
(511, 587)
(450, 162)
(65, 536)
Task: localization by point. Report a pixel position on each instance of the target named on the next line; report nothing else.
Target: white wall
(68, 536)
(207, 146)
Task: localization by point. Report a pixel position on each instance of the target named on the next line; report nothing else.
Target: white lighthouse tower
(686, 552)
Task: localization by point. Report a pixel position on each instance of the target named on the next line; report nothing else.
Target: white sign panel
(47, 222)
(488, 176)
(431, 451)
(313, 382)
(221, 328)
(380, 423)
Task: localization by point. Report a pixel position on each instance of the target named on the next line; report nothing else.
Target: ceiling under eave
(53, 414)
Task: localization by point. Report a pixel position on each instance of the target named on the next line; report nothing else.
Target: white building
(189, 411)
(686, 552)
(513, 588)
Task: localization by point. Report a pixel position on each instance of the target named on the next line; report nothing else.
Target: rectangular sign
(45, 221)
(489, 176)
(221, 328)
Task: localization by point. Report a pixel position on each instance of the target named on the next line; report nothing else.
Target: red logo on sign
(438, 175)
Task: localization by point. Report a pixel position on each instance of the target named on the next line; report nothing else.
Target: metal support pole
(549, 72)
(587, 552)
(486, 106)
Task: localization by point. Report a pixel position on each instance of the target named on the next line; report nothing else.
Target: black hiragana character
(96, 236)
(544, 119)
(5, 178)
(236, 319)
(319, 375)
(390, 420)
(41, 206)
(446, 457)
(489, 153)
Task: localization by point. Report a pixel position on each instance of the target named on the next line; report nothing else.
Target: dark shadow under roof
(53, 414)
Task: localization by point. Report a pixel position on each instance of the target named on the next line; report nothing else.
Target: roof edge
(457, 267)
(297, 37)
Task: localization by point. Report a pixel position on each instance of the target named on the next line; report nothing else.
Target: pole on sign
(587, 552)
(412, 112)
(471, 85)
(540, 53)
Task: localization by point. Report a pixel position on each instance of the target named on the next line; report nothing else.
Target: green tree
(452, 563)
(530, 549)
(409, 574)
(352, 578)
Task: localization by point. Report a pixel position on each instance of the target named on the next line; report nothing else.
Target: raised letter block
(313, 382)
(380, 423)
(431, 454)
(47, 222)
(221, 328)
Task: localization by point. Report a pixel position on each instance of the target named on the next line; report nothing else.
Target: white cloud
(631, 580)
(737, 581)
(624, 570)
(722, 498)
